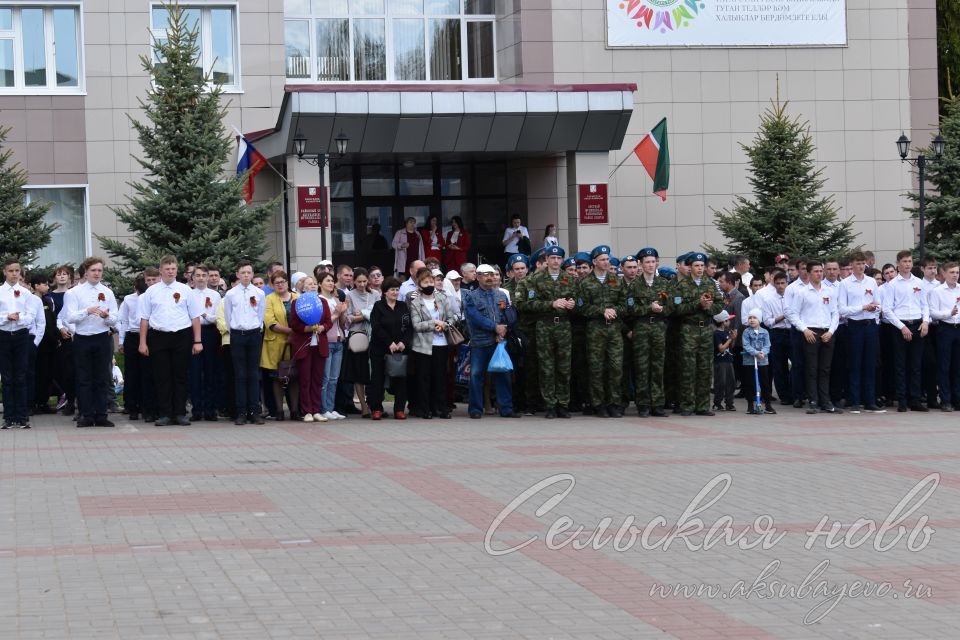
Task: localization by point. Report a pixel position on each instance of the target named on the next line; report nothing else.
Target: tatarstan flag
(654, 155)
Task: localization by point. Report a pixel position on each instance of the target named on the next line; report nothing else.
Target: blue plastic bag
(500, 361)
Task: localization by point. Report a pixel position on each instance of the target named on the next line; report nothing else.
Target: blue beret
(614, 262)
(537, 255)
(647, 252)
(517, 257)
(696, 256)
(569, 262)
(600, 251)
(581, 256)
(554, 251)
(667, 272)
(682, 258)
(630, 258)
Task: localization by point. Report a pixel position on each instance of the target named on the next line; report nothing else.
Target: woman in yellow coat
(276, 336)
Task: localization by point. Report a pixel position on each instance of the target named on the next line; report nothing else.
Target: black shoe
(163, 422)
(241, 420)
(706, 412)
(182, 421)
(872, 408)
(426, 416)
(769, 410)
(82, 422)
(442, 416)
(686, 414)
(562, 412)
(255, 418)
(196, 417)
(476, 416)
(751, 411)
(916, 406)
(103, 423)
(150, 417)
(587, 410)
(730, 407)
(901, 408)
(946, 408)
(786, 403)
(550, 414)
(133, 415)
(831, 409)
(811, 408)
(210, 417)
(24, 424)
(798, 404)
(511, 415)
(68, 409)
(717, 407)
(643, 412)
(933, 405)
(658, 412)
(615, 411)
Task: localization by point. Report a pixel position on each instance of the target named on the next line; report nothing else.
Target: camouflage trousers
(696, 366)
(605, 354)
(554, 342)
(649, 351)
(672, 363)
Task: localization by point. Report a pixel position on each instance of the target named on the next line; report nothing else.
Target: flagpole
(269, 164)
(618, 166)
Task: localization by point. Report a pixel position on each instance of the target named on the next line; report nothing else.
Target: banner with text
(726, 23)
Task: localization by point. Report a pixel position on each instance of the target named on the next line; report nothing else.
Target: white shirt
(39, 319)
(168, 307)
(15, 299)
(207, 301)
(511, 247)
(942, 300)
(814, 308)
(240, 313)
(128, 318)
(773, 305)
(906, 300)
(83, 296)
(408, 287)
(854, 294)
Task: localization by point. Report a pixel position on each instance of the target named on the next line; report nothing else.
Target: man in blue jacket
(485, 310)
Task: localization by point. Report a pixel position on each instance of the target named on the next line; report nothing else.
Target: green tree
(942, 215)
(186, 205)
(948, 48)
(24, 231)
(787, 213)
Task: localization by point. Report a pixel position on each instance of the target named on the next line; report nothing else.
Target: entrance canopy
(455, 118)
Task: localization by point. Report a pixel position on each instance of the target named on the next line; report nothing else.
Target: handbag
(395, 365)
(453, 335)
(287, 368)
(358, 342)
(500, 360)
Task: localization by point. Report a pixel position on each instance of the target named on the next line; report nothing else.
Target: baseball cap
(324, 263)
(723, 316)
(781, 258)
(486, 268)
(454, 275)
(437, 273)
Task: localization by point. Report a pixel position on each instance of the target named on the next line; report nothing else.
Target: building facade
(476, 108)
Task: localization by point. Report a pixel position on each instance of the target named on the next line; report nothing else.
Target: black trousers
(91, 361)
(133, 373)
(170, 361)
(780, 363)
(931, 352)
(432, 380)
(46, 361)
(817, 358)
(245, 349)
(840, 374)
(377, 383)
(750, 387)
(64, 375)
(15, 347)
(908, 358)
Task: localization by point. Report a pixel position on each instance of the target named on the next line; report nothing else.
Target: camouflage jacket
(686, 299)
(513, 287)
(639, 297)
(593, 296)
(536, 293)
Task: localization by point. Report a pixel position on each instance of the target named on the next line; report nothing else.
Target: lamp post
(320, 160)
(920, 162)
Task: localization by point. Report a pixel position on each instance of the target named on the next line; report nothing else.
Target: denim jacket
(756, 341)
(484, 310)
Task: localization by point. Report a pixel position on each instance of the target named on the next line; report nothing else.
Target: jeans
(245, 351)
(724, 383)
(863, 343)
(479, 359)
(331, 373)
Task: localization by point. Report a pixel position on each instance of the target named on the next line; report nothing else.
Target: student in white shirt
(931, 349)
(243, 311)
(860, 307)
(945, 309)
(773, 308)
(905, 305)
(134, 363)
(813, 312)
(205, 366)
(15, 345)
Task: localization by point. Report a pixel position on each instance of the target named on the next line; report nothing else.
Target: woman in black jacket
(391, 333)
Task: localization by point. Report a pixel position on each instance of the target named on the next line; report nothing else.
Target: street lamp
(920, 162)
(320, 160)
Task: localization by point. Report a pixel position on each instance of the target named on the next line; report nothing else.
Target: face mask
(427, 291)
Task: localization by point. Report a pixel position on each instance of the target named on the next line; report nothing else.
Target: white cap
(325, 262)
(454, 275)
(437, 272)
(297, 277)
(755, 313)
(485, 268)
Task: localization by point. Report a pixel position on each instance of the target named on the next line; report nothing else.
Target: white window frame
(388, 19)
(206, 36)
(16, 35)
(87, 236)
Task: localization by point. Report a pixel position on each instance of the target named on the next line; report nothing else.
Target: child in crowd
(724, 380)
(756, 348)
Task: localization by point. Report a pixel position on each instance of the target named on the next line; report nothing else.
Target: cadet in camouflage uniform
(550, 297)
(630, 268)
(600, 300)
(526, 388)
(579, 393)
(696, 302)
(672, 363)
(653, 303)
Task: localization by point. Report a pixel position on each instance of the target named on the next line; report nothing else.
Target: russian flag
(251, 162)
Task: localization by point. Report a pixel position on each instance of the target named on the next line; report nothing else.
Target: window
(40, 50)
(390, 40)
(217, 26)
(68, 209)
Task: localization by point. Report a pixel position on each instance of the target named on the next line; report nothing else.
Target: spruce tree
(942, 214)
(787, 213)
(186, 205)
(24, 231)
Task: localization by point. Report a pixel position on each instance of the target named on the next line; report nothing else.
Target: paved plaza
(359, 529)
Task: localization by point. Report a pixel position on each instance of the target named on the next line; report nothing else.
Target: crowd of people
(586, 333)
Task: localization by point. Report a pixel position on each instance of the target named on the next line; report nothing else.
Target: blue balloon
(309, 309)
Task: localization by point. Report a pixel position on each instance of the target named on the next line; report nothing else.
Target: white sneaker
(329, 415)
(308, 417)
(319, 417)
(338, 416)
